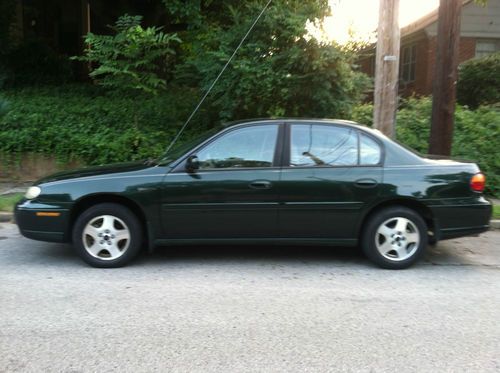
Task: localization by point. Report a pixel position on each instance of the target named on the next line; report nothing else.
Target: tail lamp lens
(477, 182)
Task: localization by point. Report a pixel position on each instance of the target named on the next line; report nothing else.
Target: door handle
(260, 184)
(366, 183)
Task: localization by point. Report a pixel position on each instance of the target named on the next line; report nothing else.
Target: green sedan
(290, 182)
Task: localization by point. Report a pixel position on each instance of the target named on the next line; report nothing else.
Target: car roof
(293, 120)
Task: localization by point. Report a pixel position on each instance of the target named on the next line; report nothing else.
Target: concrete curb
(495, 224)
(6, 217)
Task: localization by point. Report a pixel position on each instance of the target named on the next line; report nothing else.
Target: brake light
(477, 182)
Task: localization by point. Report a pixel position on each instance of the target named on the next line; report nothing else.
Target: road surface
(249, 309)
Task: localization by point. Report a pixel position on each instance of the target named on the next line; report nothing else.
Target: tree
(279, 71)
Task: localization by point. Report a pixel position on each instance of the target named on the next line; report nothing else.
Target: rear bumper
(52, 227)
(462, 219)
(448, 233)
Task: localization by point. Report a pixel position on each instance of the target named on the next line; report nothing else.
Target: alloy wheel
(397, 239)
(106, 237)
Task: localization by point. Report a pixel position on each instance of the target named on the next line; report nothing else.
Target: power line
(217, 78)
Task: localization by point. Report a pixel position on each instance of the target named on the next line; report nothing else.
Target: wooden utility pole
(387, 67)
(445, 77)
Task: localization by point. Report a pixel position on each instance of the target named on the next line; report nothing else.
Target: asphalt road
(250, 309)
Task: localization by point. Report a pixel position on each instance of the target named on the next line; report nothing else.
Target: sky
(361, 16)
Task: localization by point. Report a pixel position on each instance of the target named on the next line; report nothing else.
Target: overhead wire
(179, 133)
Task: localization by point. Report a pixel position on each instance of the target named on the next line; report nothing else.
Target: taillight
(477, 182)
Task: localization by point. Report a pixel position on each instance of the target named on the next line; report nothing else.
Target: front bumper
(42, 221)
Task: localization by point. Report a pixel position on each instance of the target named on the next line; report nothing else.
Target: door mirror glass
(192, 163)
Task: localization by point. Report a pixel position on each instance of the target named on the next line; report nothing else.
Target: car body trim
(271, 241)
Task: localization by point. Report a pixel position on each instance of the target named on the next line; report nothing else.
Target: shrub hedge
(479, 81)
(476, 134)
(90, 124)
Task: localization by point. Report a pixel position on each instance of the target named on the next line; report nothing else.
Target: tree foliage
(279, 71)
(134, 58)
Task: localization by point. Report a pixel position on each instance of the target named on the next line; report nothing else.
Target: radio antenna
(217, 78)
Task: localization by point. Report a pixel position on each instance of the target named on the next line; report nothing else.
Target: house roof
(417, 26)
(424, 21)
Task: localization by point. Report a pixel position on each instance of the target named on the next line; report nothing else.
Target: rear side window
(369, 151)
(318, 145)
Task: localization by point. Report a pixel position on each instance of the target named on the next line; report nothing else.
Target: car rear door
(233, 193)
(330, 173)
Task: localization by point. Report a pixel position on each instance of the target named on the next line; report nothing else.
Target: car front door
(331, 172)
(232, 193)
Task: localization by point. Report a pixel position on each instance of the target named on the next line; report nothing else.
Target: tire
(395, 237)
(107, 235)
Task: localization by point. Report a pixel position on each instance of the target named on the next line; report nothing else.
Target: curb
(495, 224)
(6, 217)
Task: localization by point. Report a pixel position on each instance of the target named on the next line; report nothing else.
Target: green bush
(89, 124)
(132, 58)
(479, 81)
(476, 135)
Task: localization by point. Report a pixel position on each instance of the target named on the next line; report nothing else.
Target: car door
(331, 172)
(232, 194)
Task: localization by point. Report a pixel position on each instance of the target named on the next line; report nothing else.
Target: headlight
(32, 192)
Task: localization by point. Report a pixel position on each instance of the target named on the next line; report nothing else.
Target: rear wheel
(107, 235)
(395, 238)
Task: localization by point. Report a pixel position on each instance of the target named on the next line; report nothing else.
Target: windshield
(180, 148)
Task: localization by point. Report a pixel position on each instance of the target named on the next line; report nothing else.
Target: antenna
(217, 78)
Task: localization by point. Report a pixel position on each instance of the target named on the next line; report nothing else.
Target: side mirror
(192, 163)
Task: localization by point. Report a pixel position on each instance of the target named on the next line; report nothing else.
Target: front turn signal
(478, 182)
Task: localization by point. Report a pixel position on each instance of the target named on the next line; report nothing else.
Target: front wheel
(395, 238)
(107, 235)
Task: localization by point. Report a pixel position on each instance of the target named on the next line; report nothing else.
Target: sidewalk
(13, 187)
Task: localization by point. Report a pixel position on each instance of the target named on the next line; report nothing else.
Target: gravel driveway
(249, 309)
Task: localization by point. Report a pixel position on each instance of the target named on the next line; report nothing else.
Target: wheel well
(414, 205)
(92, 200)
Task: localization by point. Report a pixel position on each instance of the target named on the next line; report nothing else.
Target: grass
(496, 211)
(8, 201)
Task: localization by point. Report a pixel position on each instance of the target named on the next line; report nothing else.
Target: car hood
(95, 171)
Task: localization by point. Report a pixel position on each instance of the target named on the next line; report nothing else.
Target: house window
(408, 62)
(485, 47)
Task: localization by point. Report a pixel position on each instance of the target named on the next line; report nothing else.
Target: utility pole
(445, 77)
(387, 68)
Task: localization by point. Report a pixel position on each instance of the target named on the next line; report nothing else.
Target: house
(479, 36)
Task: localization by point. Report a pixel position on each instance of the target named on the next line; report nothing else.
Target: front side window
(241, 148)
(318, 145)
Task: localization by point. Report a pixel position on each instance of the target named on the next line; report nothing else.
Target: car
(268, 181)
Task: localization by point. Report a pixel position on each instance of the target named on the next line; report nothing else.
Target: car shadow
(252, 253)
(63, 255)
